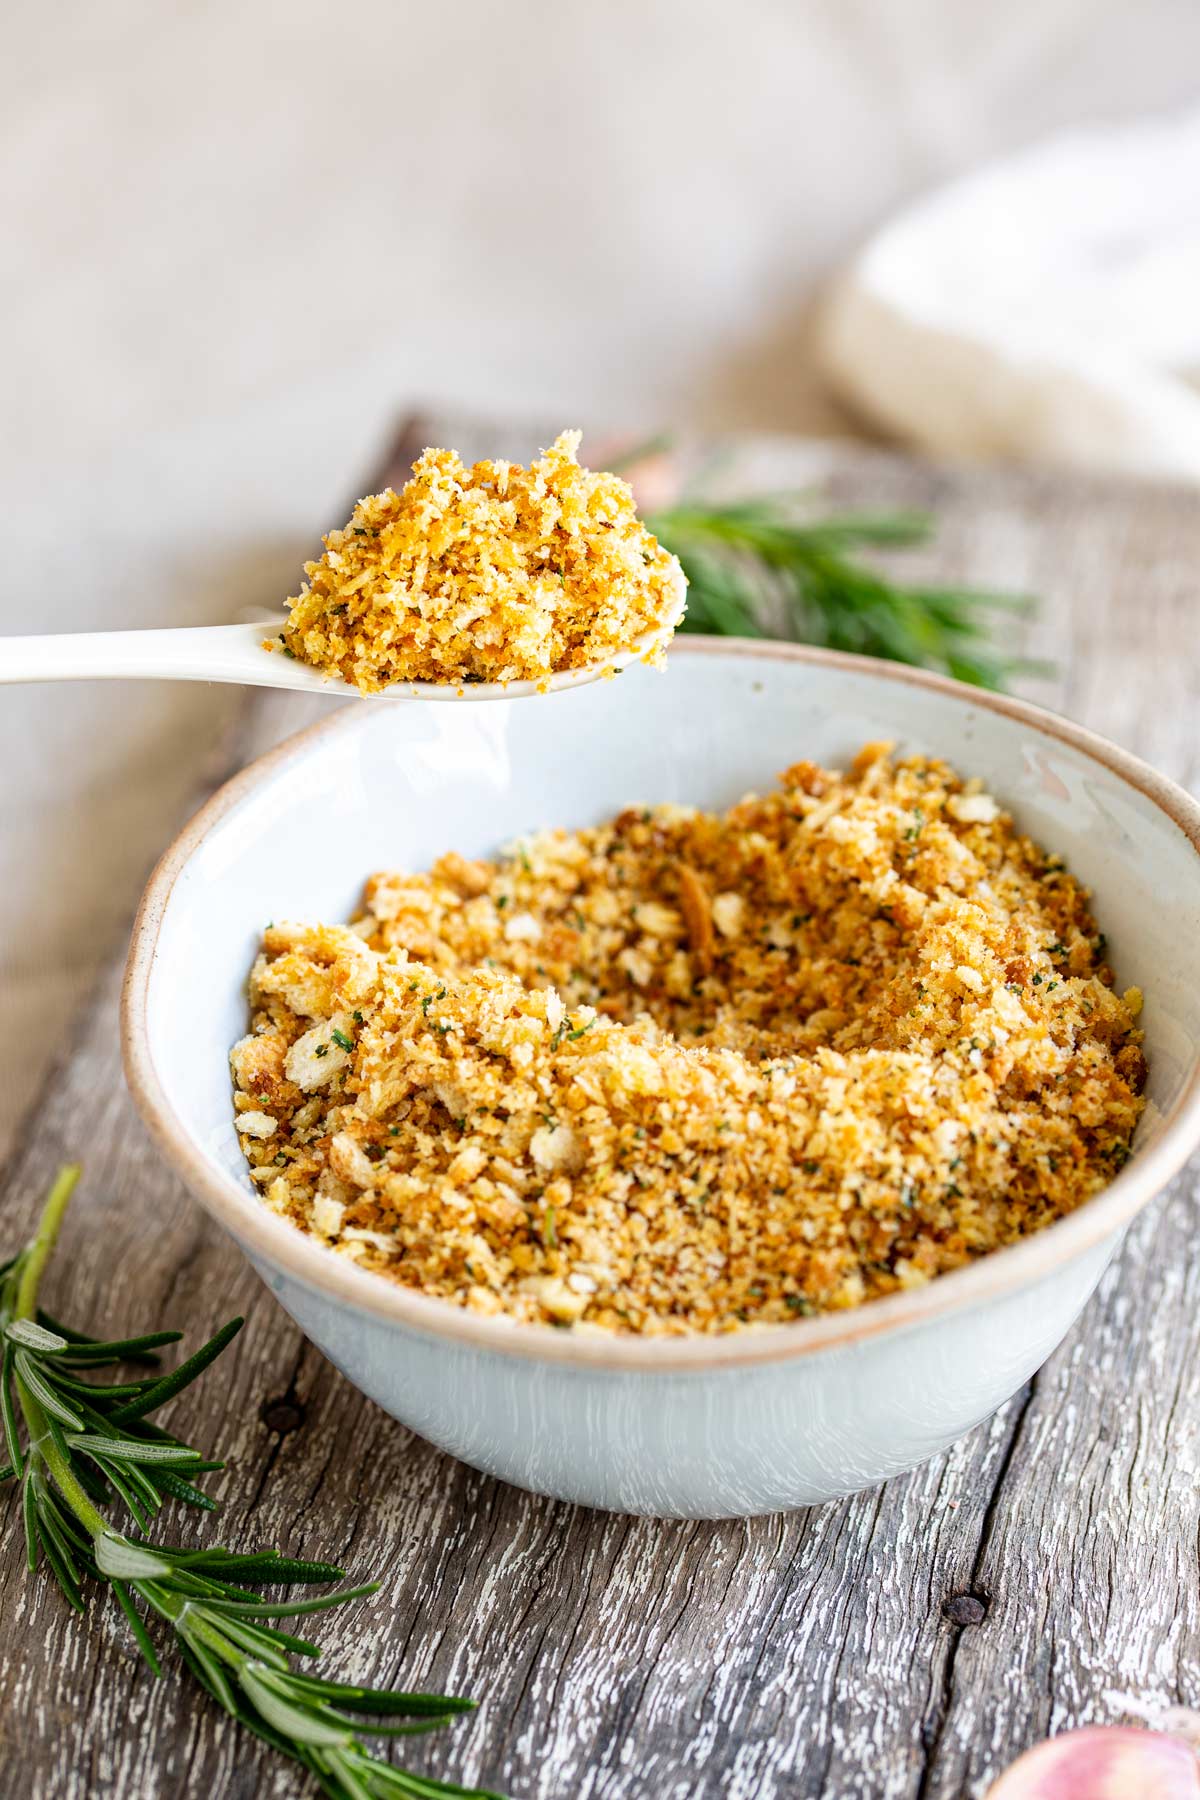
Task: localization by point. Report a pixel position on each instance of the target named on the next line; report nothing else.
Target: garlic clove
(1103, 1762)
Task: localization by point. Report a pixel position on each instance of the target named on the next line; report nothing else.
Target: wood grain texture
(902, 1644)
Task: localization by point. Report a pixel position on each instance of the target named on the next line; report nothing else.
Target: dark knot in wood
(964, 1609)
(282, 1415)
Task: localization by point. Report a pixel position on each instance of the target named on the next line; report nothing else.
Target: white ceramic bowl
(767, 1418)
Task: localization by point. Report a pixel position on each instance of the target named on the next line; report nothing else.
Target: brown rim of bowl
(264, 1235)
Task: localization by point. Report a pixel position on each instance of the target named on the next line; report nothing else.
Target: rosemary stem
(41, 1441)
(175, 1608)
(39, 1250)
(43, 1447)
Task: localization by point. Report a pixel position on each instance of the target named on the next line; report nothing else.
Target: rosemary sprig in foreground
(751, 561)
(77, 1447)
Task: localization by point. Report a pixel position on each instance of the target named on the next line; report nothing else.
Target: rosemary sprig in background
(78, 1448)
(752, 561)
(765, 566)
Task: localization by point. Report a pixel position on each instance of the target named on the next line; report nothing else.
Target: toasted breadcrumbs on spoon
(686, 1072)
(490, 574)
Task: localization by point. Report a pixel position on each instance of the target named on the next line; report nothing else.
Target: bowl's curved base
(704, 1443)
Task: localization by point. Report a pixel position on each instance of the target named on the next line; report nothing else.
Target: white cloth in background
(1046, 307)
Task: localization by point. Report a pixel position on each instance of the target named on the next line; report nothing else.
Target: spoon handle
(230, 653)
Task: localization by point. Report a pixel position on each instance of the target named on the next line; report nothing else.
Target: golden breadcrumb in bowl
(490, 575)
(692, 1071)
(661, 1094)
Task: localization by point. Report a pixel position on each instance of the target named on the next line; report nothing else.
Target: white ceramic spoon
(235, 653)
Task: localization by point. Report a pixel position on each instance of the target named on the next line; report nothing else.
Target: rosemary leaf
(186, 1373)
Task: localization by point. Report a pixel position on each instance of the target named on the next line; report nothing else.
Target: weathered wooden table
(904, 1643)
